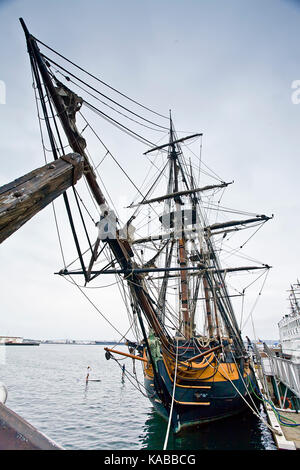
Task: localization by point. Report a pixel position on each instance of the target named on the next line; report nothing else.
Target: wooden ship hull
(204, 391)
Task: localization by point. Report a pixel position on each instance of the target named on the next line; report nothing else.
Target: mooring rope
(256, 413)
(173, 395)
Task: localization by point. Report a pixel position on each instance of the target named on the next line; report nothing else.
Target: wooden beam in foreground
(24, 197)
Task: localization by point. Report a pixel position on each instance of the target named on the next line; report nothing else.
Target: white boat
(289, 327)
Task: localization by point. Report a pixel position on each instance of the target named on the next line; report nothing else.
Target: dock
(268, 371)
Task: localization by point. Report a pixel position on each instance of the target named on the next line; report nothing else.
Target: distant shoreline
(82, 343)
(63, 343)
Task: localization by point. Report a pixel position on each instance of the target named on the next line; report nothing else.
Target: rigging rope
(112, 108)
(258, 296)
(139, 384)
(172, 403)
(34, 85)
(256, 413)
(109, 153)
(117, 124)
(97, 91)
(100, 81)
(92, 303)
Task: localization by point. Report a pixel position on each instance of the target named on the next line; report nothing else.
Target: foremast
(120, 247)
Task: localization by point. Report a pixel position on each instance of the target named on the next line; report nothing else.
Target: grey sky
(225, 68)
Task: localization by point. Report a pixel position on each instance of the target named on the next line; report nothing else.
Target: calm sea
(46, 386)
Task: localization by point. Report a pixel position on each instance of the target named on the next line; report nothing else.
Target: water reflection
(85, 391)
(240, 432)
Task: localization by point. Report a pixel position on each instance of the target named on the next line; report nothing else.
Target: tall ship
(166, 257)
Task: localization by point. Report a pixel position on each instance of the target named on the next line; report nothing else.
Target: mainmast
(182, 254)
(187, 306)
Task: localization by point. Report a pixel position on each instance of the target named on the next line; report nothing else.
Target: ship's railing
(286, 371)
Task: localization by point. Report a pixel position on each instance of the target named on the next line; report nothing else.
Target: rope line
(279, 417)
(96, 78)
(173, 395)
(248, 404)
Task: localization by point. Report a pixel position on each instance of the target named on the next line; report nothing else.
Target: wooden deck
(291, 433)
(285, 437)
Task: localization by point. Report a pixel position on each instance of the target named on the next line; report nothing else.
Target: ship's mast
(120, 247)
(182, 254)
(294, 301)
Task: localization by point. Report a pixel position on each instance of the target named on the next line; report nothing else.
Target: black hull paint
(195, 406)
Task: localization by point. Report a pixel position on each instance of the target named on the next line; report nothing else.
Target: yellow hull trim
(212, 373)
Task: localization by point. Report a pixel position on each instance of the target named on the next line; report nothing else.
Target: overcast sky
(225, 68)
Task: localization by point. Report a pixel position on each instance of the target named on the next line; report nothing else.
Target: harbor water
(47, 387)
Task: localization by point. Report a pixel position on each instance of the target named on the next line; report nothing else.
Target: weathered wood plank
(17, 434)
(24, 197)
